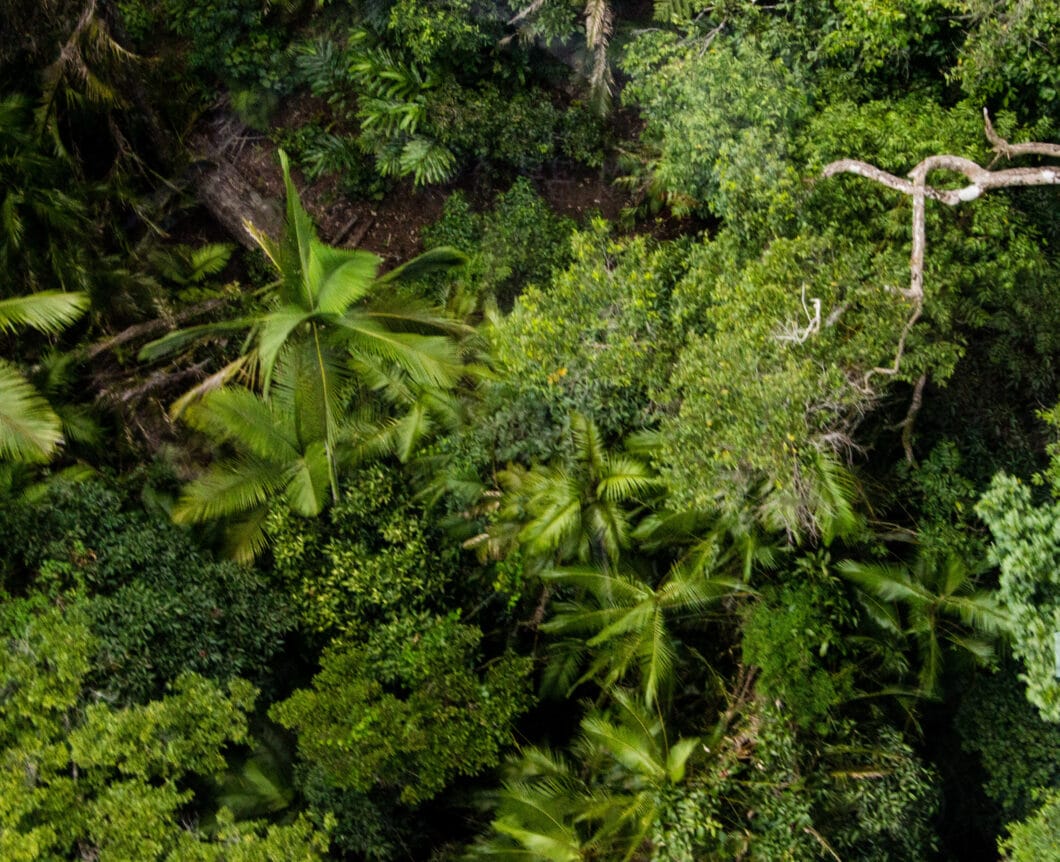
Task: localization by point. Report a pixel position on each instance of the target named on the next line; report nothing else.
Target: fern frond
(427, 161)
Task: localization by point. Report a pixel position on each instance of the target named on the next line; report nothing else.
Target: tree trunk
(222, 188)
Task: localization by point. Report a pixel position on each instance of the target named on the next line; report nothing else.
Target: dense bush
(159, 605)
(409, 709)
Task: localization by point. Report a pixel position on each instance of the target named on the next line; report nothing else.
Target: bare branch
(527, 11)
(910, 417)
(1004, 148)
(981, 180)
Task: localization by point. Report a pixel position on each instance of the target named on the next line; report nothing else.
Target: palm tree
(272, 459)
(625, 622)
(43, 224)
(30, 430)
(941, 605)
(604, 809)
(575, 509)
(336, 341)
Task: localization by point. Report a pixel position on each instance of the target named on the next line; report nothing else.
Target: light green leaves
(49, 311)
(1027, 548)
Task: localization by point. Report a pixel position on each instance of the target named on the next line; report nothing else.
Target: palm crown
(333, 336)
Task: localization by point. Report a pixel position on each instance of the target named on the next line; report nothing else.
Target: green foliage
(335, 340)
(373, 557)
(767, 391)
(795, 635)
(519, 241)
(492, 124)
(882, 808)
(322, 153)
(944, 608)
(945, 502)
(1018, 750)
(449, 29)
(720, 127)
(408, 709)
(606, 809)
(575, 509)
(236, 41)
(1038, 836)
(44, 212)
(625, 623)
(83, 777)
(359, 824)
(160, 605)
(1027, 550)
(1006, 56)
(598, 340)
(877, 37)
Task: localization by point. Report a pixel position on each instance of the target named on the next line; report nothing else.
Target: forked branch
(981, 180)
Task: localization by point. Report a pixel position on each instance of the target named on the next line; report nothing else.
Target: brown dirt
(392, 227)
(579, 194)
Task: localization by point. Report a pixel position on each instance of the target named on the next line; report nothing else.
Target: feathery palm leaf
(626, 623)
(49, 311)
(329, 340)
(940, 603)
(603, 810)
(30, 430)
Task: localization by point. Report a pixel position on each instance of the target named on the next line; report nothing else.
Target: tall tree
(335, 336)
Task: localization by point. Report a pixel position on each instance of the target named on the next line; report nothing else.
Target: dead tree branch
(980, 181)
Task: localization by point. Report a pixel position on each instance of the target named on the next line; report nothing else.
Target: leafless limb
(151, 327)
(527, 11)
(981, 180)
(792, 332)
(910, 417)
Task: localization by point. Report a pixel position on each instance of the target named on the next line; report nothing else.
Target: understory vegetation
(435, 430)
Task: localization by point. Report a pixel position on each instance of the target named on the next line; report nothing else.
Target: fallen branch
(151, 327)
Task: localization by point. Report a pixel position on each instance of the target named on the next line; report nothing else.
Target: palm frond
(440, 259)
(632, 749)
(625, 478)
(428, 359)
(49, 311)
(309, 481)
(889, 582)
(588, 444)
(608, 524)
(657, 658)
(239, 415)
(295, 259)
(232, 488)
(554, 526)
(606, 587)
(344, 276)
(274, 329)
(30, 430)
(245, 536)
(179, 339)
(981, 611)
(677, 758)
